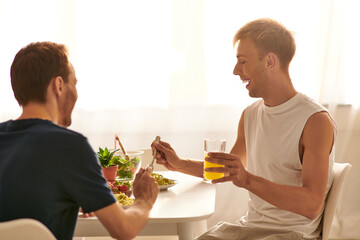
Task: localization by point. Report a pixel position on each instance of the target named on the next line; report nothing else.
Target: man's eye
(242, 62)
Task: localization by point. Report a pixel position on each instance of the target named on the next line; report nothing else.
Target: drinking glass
(213, 145)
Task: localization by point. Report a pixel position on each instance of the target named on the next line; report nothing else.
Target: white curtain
(164, 67)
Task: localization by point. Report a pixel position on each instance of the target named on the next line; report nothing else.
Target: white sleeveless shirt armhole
(272, 139)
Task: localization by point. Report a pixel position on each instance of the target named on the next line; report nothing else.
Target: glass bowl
(128, 169)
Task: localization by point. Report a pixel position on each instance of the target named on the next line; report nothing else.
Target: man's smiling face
(250, 67)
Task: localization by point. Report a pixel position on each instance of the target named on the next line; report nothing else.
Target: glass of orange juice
(213, 145)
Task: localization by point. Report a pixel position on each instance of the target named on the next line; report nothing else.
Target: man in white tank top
(283, 154)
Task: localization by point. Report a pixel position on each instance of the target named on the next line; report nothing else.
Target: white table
(174, 213)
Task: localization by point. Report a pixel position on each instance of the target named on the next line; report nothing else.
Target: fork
(157, 139)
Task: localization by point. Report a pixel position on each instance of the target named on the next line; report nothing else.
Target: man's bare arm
(167, 157)
(126, 224)
(317, 141)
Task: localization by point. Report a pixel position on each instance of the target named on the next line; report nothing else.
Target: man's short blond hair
(269, 36)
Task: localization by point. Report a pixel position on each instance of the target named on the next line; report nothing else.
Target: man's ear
(271, 60)
(58, 85)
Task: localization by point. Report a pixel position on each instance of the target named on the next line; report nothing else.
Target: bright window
(165, 53)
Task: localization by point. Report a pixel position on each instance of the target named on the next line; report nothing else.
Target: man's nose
(237, 70)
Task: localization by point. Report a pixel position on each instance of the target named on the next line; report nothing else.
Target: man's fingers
(149, 170)
(166, 145)
(222, 155)
(161, 161)
(139, 174)
(216, 169)
(231, 171)
(161, 147)
(141, 171)
(223, 179)
(226, 162)
(86, 215)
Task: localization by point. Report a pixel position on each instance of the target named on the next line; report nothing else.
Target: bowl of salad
(121, 187)
(127, 169)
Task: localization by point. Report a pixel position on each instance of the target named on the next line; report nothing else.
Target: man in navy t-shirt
(48, 171)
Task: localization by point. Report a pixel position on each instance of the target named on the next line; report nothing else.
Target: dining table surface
(175, 211)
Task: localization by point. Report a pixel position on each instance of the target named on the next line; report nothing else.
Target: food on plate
(161, 180)
(123, 199)
(122, 191)
(120, 187)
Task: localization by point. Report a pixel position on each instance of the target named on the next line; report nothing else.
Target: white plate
(164, 187)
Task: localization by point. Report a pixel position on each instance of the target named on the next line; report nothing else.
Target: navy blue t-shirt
(46, 173)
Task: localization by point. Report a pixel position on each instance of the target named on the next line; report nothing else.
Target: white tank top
(272, 137)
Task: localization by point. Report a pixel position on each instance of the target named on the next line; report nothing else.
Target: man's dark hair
(33, 68)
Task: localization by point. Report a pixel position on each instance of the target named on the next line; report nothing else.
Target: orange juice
(212, 175)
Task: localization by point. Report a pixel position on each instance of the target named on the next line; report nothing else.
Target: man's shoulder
(5, 125)
(310, 102)
(254, 106)
(56, 129)
(43, 130)
(49, 128)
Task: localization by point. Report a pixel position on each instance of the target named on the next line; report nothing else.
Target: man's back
(47, 172)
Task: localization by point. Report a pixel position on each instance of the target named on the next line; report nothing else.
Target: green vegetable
(119, 183)
(127, 169)
(105, 157)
